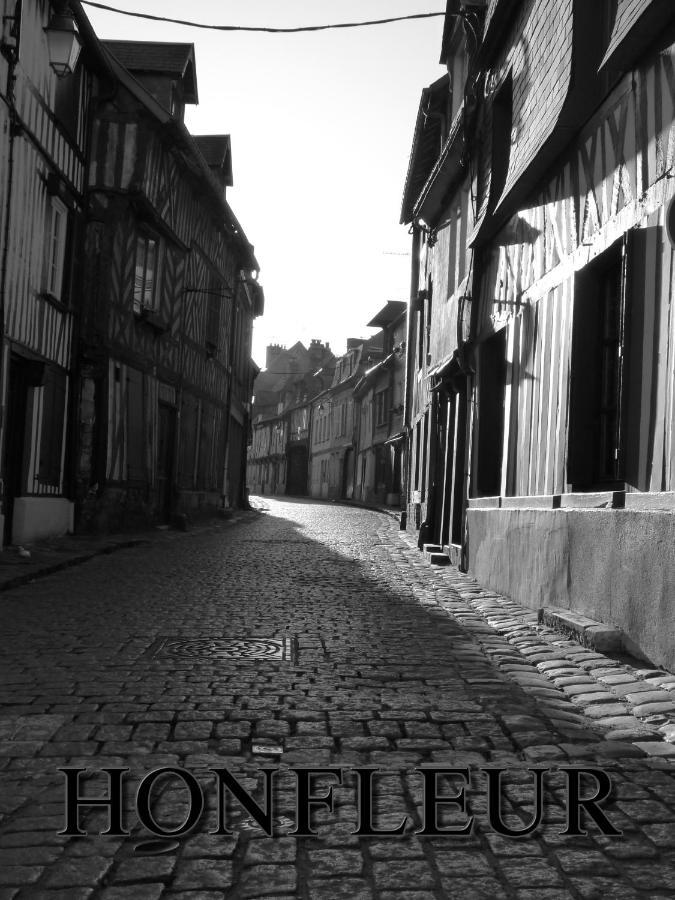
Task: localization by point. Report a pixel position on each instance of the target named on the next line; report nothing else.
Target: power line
(260, 28)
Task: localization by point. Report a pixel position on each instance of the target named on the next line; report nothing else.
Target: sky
(321, 127)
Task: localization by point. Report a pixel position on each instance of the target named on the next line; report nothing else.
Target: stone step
(438, 559)
(589, 632)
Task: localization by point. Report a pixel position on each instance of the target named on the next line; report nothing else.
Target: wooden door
(165, 452)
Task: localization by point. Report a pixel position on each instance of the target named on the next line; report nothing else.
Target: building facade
(437, 206)
(127, 286)
(171, 297)
(45, 114)
(379, 414)
(567, 362)
(279, 451)
(333, 431)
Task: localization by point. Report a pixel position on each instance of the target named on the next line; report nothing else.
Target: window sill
(152, 319)
(53, 301)
(590, 500)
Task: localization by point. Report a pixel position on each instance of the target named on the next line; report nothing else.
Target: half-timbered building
(573, 472)
(570, 363)
(171, 294)
(437, 206)
(45, 108)
(378, 410)
(279, 452)
(333, 427)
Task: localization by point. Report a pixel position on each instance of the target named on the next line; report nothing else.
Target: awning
(440, 367)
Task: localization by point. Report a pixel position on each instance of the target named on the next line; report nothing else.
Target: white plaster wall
(41, 517)
(616, 566)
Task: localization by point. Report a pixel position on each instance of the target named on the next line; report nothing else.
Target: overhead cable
(260, 28)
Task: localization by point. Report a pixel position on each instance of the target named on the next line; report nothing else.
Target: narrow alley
(311, 635)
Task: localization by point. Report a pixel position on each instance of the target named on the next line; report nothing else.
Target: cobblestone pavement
(371, 658)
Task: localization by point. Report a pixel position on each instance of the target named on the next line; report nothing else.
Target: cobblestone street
(315, 635)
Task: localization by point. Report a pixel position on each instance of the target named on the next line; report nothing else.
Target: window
(147, 272)
(213, 319)
(491, 390)
(595, 457)
(55, 247)
(381, 408)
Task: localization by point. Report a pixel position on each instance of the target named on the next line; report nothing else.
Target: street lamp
(64, 44)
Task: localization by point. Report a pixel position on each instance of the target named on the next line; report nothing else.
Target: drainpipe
(230, 356)
(10, 100)
(310, 426)
(410, 358)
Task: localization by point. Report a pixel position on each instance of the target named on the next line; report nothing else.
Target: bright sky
(321, 125)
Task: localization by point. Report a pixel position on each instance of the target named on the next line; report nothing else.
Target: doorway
(166, 435)
(24, 374)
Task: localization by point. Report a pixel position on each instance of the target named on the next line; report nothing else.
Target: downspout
(10, 100)
(409, 363)
(230, 356)
(310, 425)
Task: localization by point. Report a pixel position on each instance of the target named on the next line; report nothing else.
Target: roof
(216, 150)
(636, 25)
(185, 143)
(445, 172)
(426, 144)
(159, 58)
(388, 314)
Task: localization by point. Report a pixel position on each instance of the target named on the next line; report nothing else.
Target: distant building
(379, 396)
(279, 451)
(332, 431)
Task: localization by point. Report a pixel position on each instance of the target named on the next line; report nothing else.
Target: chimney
(272, 354)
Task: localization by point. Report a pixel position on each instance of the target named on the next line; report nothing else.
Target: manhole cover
(222, 649)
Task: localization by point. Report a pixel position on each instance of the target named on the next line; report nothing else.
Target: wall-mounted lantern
(64, 44)
(11, 35)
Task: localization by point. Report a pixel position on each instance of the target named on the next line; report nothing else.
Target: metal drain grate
(221, 649)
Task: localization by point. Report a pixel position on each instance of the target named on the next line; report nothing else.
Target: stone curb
(588, 632)
(32, 574)
(50, 568)
(393, 513)
(653, 733)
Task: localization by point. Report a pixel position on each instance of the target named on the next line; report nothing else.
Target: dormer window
(166, 70)
(55, 247)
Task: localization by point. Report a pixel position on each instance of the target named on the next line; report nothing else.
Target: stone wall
(613, 565)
